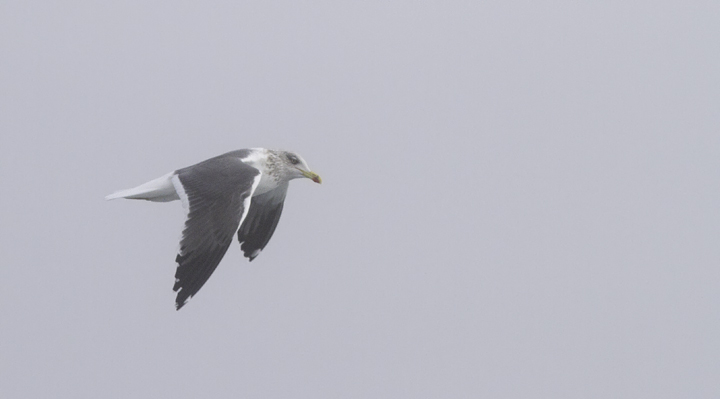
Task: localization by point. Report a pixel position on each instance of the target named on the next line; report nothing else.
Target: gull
(239, 192)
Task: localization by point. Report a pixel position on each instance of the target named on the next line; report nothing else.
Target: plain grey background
(520, 199)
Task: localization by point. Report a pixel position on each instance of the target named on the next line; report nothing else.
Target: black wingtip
(181, 300)
(251, 253)
(179, 304)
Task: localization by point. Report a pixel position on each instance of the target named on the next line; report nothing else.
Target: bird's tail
(158, 190)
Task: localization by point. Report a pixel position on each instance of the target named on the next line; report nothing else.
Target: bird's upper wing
(261, 220)
(217, 196)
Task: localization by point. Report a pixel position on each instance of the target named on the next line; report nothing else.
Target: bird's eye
(293, 159)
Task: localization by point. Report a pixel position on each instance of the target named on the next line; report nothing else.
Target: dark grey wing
(216, 193)
(261, 220)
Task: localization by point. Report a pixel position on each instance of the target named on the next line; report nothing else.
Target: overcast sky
(520, 199)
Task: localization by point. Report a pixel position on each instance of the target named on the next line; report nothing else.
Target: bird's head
(296, 167)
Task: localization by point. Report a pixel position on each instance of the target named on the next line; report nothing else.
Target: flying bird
(241, 191)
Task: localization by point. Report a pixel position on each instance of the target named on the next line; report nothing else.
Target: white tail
(158, 190)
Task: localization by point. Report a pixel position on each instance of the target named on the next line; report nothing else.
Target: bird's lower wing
(261, 220)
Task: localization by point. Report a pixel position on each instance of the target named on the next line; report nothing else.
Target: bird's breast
(267, 183)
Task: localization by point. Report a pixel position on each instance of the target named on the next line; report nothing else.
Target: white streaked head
(293, 166)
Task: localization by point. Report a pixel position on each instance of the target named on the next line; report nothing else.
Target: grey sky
(519, 199)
